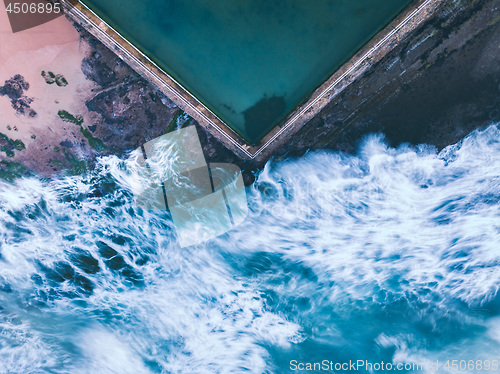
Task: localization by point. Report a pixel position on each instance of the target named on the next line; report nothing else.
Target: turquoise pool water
(250, 62)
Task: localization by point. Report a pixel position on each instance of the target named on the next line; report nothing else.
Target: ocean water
(389, 255)
(250, 62)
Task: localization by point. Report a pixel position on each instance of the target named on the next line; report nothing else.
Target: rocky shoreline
(434, 88)
(439, 84)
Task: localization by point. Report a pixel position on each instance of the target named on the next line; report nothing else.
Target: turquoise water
(250, 62)
(391, 255)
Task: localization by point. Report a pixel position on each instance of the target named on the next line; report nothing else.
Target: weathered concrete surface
(435, 87)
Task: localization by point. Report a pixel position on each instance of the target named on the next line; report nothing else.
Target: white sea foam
(432, 220)
(331, 241)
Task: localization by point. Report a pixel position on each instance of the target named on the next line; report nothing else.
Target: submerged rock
(14, 89)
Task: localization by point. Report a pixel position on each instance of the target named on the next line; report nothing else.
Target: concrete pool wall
(371, 53)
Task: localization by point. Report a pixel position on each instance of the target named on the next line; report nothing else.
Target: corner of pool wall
(372, 52)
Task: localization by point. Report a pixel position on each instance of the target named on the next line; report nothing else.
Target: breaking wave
(390, 255)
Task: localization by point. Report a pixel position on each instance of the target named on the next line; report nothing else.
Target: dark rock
(83, 260)
(60, 272)
(105, 250)
(37, 279)
(84, 285)
(437, 85)
(64, 269)
(14, 89)
(66, 143)
(143, 260)
(115, 263)
(98, 71)
(5, 287)
(132, 276)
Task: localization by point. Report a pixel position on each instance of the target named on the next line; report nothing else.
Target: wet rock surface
(14, 89)
(131, 111)
(436, 86)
